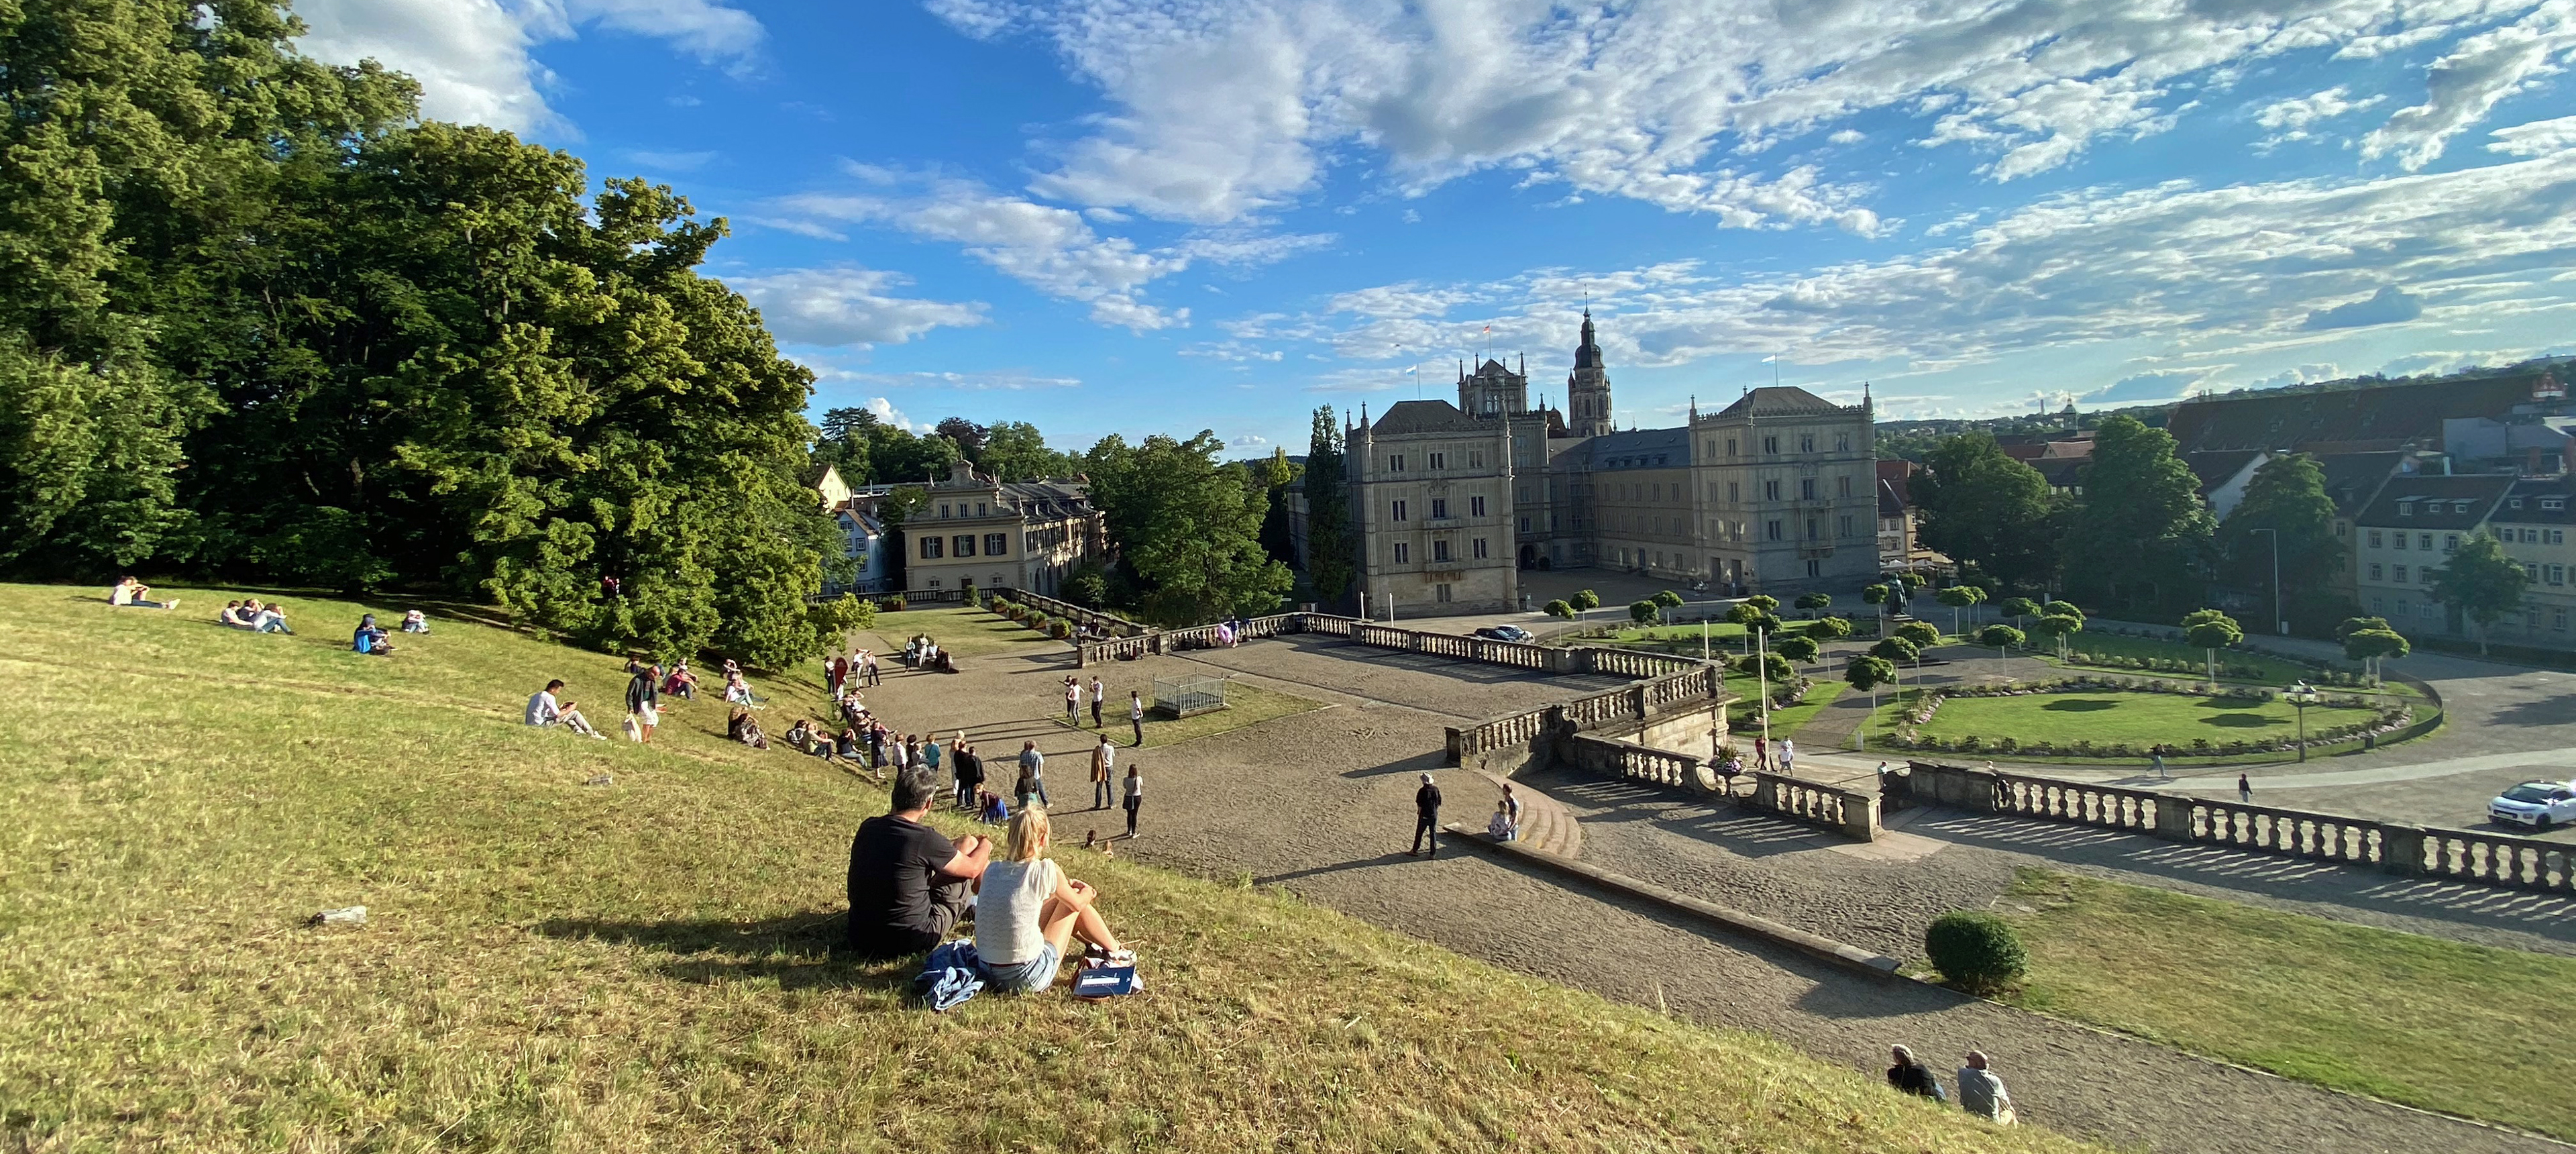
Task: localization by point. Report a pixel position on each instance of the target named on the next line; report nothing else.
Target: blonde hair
(1028, 828)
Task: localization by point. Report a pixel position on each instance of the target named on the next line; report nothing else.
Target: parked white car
(2538, 804)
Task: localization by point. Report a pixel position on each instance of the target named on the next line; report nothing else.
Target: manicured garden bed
(2092, 719)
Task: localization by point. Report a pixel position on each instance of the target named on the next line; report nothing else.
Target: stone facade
(1777, 492)
(973, 529)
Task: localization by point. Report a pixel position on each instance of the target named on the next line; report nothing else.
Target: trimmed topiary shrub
(1976, 951)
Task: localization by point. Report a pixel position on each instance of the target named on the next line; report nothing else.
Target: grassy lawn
(1723, 637)
(1245, 705)
(960, 630)
(2136, 718)
(1744, 717)
(2269, 670)
(2431, 1023)
(549, 965)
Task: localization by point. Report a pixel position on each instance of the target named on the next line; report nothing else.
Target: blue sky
(1137, 216)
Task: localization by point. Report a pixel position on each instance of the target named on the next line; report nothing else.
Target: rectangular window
(2558, 536)
(943, 510)
(1770, 444)
(1395, 463)
(1524, 494)
(2424, 541)
(2516, 502)
(1524, 524)
(2397, 574)
(1440, 592)
(2450, 542)
(1475, 506)
(1475, 458)
(964, 545)
(1770, 490)
(1732, 494)
(2378, 573)
(1806, 488)
(1842, 442)
(980, 508)
(1815, 568)
(2375, 541)
(1440, 550)
(2401, 541)
(1400, 553)
(1480, 548)
(1806, 444)
(1846, 485)
(2557, 574)
(2379, 607)
(2531, 617)
(931, 548)
(934, 583)
(2553, 504)
(1811, 528)
(1846, 528)
(997, 544)
(1730, 446)
(2558, 620)
(1439, 461)
(2406, 508)
(1771, 530)
(1440, 508)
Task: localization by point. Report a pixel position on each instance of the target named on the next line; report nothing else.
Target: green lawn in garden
(2270, 670)
(959, 630)
(2139, 719)
(2424, 1021)
(1743, 716)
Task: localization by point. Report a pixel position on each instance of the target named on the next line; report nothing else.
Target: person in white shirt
(1502, 827)
(1788, 755)
(1136, 715)
(1072, 702)
(1982, 1094)
(1098, 695)
(545, 710)
(1027, 913)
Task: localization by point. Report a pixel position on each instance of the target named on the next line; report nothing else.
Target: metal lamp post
(2302, 695)
(2279, 626)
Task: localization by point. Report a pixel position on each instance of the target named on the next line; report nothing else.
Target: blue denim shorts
(1029, 977)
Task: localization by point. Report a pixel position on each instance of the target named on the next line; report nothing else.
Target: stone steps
(1546, 825)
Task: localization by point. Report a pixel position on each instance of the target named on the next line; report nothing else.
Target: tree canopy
(1331, 550)
(1188, 526)
(2482, 582)
(1979, 504)
(2285, 500)
(2141, 528)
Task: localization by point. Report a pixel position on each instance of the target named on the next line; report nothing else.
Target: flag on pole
(1412, 370)
(1489, 328)
(1771, 358)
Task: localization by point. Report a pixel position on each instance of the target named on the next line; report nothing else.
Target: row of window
(2531, 614)
(2451, 541)
(1440, 551)
(2406, 506)
(963, 545)
(1771, 444)
(1439, 461)
(1403, 511)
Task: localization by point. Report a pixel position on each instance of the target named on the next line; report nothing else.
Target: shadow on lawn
(798, 951)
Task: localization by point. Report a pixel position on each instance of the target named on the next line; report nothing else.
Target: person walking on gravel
(1426, 819)
(1099, 694)
(1135, 799)
(1072, 702)
(2244, 790)
(1982, 1094)
(1136, 715)
(1912, 1077)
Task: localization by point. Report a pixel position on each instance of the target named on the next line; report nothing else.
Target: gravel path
(1320, 802)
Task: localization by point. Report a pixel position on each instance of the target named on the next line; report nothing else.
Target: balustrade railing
(2084, 804)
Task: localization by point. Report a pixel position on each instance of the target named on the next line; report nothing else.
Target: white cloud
(1053, 250)
(672, 161)
(2538, 138)
(1847, 136)
(2289, 119)
(1223, 109)
(834, 307)
(474, 58)
(2243, 264)
(2468, 81)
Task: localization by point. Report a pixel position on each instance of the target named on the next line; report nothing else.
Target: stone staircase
(1546, 825)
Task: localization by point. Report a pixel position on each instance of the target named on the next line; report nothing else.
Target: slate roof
(2535, 493)
(2380, 417)
(1634, 449)
(2352, 478)
(1406, 417)
(2437, 502)
(2218, 466)
(1781, 400)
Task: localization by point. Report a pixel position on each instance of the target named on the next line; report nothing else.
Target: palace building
(1777, 493)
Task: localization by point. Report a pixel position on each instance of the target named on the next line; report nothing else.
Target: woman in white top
(1027, 913)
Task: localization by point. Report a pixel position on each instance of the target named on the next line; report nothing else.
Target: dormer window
(2406, 508)
(2515, 503)
(2460, 507)
(2553, 504)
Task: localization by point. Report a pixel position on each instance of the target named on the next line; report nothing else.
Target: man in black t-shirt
(1426, 817)
(909, 885)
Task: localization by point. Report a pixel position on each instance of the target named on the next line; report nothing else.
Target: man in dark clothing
(1426, 823)
(909, 885)
(1913, 1077)
(969, 770)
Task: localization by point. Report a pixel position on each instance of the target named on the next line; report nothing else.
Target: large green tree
(1016, 451)
(1331, 550)
(1188, 527)
(2285, 507)
(2482, 582)
(1978, 504)
(2141, 529)
(141, 143)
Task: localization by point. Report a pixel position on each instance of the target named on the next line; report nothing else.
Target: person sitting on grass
(681, 683)
(738, 691)
(740, 727)
(800, 737)
(371, 638)
(1502, 827)
(908, 884)
(232, 616)
(1027, 914)
(267, 618)
(990, 808)
(545, 709)
(129, 593)
(415, 621)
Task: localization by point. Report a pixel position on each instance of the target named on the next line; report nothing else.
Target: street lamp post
(2302, 695)
(2279, 626)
